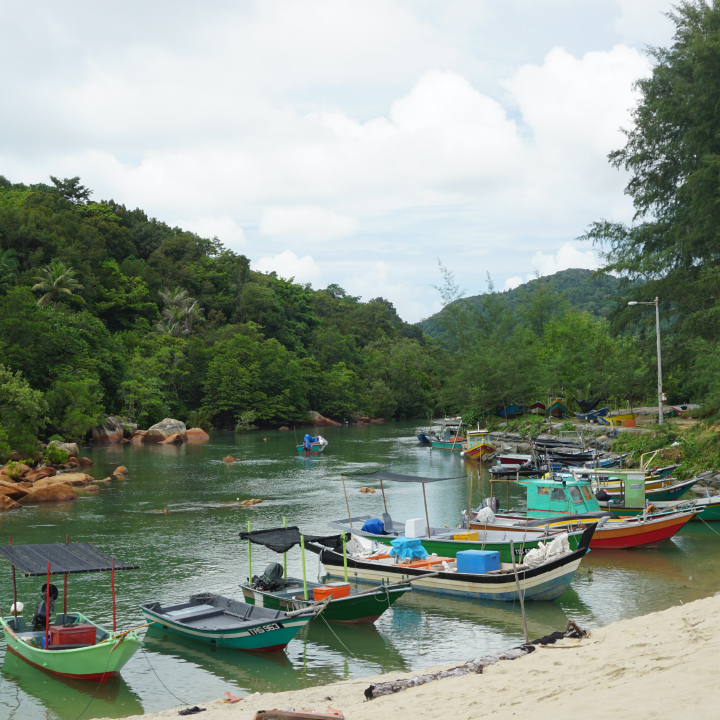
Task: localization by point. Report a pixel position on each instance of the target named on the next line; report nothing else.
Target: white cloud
(306, 223)
(288, 265)
(568, 256)
(224, 228)
(643, 22)
(512, 282)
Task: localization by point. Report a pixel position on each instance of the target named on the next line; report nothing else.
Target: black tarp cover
(63, 558)
(282, 539)
(394, 477)
(587, 405)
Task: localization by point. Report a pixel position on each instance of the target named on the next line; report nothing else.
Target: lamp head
(633, 302)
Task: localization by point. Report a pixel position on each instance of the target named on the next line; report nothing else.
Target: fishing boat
(477, 445)
(228, 623)
(71, 645)
(450, 437)
(557, 501)
(658, 489)
(513, 460)
(593, 415)
(510, 411)
(274, 590)
(708, 508)
(423, 439)
(537, 408)
(312, 445)
(441, 541)
(547, 581)
(625, 419)
(558, 409)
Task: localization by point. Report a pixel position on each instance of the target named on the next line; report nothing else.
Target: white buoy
(19, 608)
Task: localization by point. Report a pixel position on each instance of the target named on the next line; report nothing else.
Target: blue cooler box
(478, 561)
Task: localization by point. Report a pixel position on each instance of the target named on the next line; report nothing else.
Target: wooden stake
(344, 542)
(520, 595)
(427, 519)
(346, 500)
(470, 501)
(67, 540)
(383, 492)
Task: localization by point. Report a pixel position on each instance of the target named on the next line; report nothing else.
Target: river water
(194, 548)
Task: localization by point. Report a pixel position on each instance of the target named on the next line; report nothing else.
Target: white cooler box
(416, 528)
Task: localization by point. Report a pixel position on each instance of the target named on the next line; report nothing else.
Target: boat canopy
(64, 558)
(282, 539)
(394, 477)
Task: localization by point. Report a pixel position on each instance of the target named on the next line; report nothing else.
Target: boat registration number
(265, 628)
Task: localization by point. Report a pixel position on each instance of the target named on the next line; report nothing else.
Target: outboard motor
(602, 495)
(41, 613)
(271, 579)
(492, 502)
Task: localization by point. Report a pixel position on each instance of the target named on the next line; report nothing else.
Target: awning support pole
(302, 552)
(249, 558)
(14, 592)
(344, 542)
(284, 554)
(383, 492)
(519, 592)
(47, 609)
(67, 540)
(346, 500)
(112, 584)
(427, 518)
(470, 502)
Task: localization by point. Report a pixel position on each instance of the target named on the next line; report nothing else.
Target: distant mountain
(581, 289)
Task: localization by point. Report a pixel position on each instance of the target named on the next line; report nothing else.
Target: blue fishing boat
(510, 411)
(224, 622)
(312, 445)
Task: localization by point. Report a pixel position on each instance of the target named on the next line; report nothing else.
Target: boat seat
(202, 615)
(387, 522)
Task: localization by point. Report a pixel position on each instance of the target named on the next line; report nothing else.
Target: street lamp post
(659, 356)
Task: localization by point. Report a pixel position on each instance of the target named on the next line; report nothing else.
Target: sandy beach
(661, 665)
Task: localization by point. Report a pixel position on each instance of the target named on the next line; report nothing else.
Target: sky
(349, 142)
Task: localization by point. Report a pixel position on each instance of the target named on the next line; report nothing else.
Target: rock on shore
(166, 429)
(109, 433)
(318, 420)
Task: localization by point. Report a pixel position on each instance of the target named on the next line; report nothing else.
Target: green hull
(316, 449)
(441, 445)
(710, 513)
(96, 662)
(448, 548)
(356, 608)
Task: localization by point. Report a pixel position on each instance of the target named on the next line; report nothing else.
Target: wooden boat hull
(709, 509)
(639, 535)
(444, 445)
(356, 608)
(663, 489)
(317, 449)
(476, 452)
(265, 636)
(97, 663)
(546, 583)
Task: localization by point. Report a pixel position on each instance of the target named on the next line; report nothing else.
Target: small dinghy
(228, 623)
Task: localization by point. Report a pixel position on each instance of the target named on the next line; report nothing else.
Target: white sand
(662, 665)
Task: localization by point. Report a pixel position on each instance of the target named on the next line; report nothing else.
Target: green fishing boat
(710, 508)
(71, 645)
(274, 590)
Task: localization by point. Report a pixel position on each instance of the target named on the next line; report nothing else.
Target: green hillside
(579, 289)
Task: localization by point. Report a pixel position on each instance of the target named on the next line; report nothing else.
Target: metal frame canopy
(284, 538)
(63, 559)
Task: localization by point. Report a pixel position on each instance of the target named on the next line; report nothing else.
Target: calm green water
(195, 547)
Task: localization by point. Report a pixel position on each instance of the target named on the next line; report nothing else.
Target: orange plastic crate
(84, 633)
(335, 590)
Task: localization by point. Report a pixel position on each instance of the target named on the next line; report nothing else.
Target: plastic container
(82, 634)
(467, 535)
(629, 423)
(416, 528)
(335, 590)
(477, 562)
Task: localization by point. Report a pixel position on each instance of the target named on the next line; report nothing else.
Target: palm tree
(9, 266)
(179, 313)
(57, 281)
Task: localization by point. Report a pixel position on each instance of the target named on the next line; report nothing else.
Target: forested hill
(104, 309)
(581, 290)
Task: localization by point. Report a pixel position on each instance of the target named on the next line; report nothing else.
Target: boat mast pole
(427, 518)
(470, 500)
(47, 609)
(302, 552)
(14, 591)
(344, 542)
(249, 558)
(67, 540)
(383, 492)
(284, 554)
(112, 585)
(346, 500)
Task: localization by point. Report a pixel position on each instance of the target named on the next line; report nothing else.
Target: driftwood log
(472, 666)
